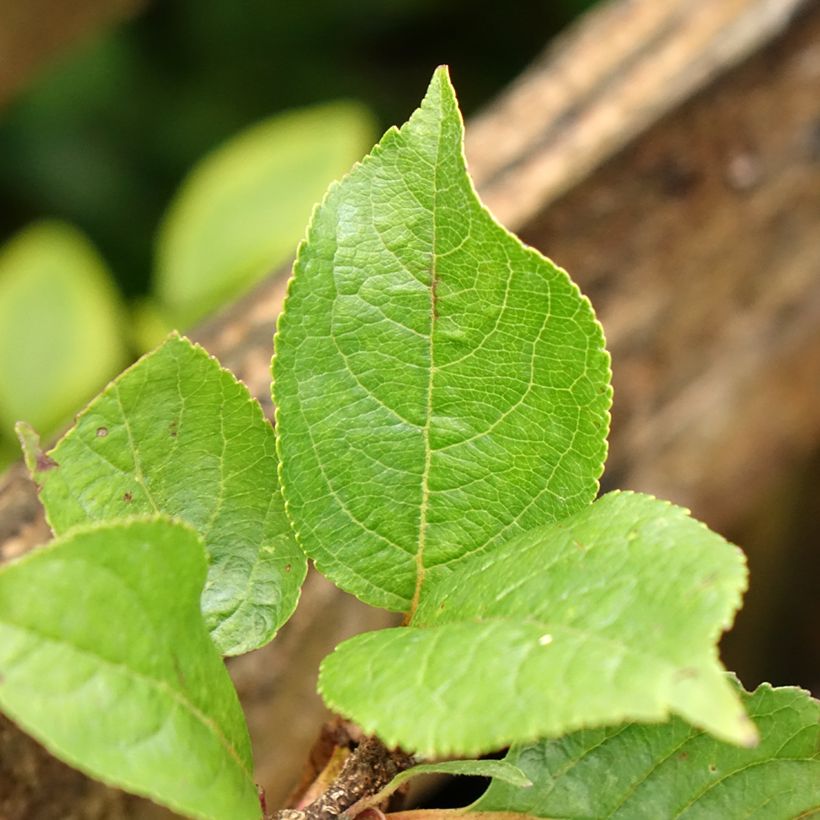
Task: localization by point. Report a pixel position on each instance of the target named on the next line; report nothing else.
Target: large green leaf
(610, 615)
(178, 434)
(105, 659)
(440, 386)
(60, 325)
(243, 209)
(672, 770)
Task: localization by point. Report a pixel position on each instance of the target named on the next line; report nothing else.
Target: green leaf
(104, 658)
(501, 770)
(672, 770)
(60, 325)
(610, 615)
(177, 434)
(243, 209)
(440, 386)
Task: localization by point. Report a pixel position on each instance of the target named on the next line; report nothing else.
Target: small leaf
(243, 209)
(440, 386)
(105, 659)
(60, 325)
(498, 769)
(610, 615)
(177, 434)
(672, 770)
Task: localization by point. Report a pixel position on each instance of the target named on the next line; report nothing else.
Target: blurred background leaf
(107, 135)
(243, 209)
(60, 325)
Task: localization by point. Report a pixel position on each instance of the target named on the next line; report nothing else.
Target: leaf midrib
(425, 476)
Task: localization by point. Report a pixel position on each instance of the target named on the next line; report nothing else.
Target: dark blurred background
(100, 126)
(103, 134)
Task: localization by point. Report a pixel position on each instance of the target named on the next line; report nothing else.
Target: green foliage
(243, 208)
(443, 396)
(673, 770)
(440, 387)
(502, 771)
(60, 326)
(621, 603)
(179, 435)
(105, 659)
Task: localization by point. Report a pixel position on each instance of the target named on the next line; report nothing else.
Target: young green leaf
(440, 386)
(177, 434)
(105, 659)
(499, 770)
(609, 615)
(242, 210)
(672, 770)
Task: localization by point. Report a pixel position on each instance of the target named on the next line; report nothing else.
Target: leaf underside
(440, 387)
(105, 659)
(673, 770)
(610, 615)
(177, 434)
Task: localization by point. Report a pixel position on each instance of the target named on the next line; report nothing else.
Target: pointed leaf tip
(439, 386)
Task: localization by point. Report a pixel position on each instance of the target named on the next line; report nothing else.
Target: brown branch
(368, 768)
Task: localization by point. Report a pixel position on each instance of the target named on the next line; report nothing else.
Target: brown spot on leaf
(102, 432)
(288, 567)
(173, 428)
(45, 462)
(178, 669)
(128, 497)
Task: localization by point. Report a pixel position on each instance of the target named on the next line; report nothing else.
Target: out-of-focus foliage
(104, 136)
(60, 325)
(241, 211)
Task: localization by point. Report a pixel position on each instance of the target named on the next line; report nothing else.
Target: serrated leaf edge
(441, 75)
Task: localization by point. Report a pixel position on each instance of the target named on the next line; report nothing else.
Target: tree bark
(668, 155)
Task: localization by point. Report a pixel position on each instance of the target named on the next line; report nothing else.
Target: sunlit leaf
(177, 434)
(612, 614)
(440, 386)
(105, 659)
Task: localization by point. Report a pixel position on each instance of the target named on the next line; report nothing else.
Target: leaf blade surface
(440, 387)
(179, 435)
(105, 658)
(609, 615)
(673, 770)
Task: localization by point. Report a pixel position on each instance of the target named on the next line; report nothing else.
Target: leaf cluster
(442, 398)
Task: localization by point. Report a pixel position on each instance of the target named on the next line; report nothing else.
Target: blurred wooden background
(668, 155)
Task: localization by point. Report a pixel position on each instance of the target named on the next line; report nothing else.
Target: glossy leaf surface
(105, 659)
(179, 435)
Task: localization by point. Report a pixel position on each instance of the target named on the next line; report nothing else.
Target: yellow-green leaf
(105, 659)
(242, 210)
(61, 325)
